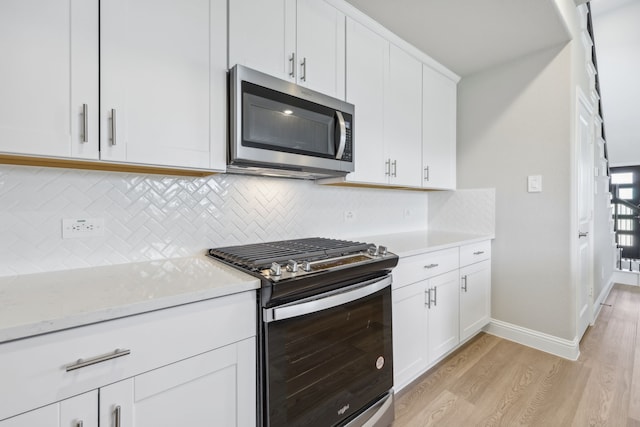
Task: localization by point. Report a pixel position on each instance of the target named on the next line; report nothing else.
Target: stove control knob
(275, 269)
(382, 250)
(306, 265)
(292, 266)
(373, 250)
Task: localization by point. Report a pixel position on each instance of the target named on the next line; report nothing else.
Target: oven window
(276, 121)
(323, 367)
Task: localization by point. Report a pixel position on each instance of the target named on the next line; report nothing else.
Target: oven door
(328, 358)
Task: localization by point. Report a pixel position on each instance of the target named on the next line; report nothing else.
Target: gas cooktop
(295, 259)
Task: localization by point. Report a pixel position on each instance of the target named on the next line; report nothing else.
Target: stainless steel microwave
(281, 129)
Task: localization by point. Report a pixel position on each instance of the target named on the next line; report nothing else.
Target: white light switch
(534, 183)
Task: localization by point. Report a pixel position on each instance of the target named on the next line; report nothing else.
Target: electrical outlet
(82, 227)
(349, 216)
(407, 213)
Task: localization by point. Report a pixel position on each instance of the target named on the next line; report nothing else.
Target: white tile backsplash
(153, 217)
(467, 211)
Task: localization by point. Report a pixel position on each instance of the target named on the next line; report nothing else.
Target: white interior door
(584, 196)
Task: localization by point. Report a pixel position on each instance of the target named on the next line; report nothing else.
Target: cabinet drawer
(475, 252)
(419, 267)
(35, 371)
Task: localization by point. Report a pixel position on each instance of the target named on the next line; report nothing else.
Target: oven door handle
(334, 299)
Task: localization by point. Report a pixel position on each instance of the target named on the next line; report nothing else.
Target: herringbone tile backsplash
(154, 217)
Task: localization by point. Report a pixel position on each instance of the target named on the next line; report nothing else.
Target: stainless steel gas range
(325, 344)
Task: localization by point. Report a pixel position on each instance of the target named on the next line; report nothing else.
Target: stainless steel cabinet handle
(582, 234)
(435, 296)
(387, 167)
(85, 123)
(292, 65)
(426, 173)
(113, 127)
(395, 168)
(431, 265)
(98, 359)
(478, 253)
(303, 65)
(427, 297)
(117, 415)
(464, 283)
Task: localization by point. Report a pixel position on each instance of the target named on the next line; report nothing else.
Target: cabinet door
(162, 77)
(443, 315)
(262, 36)
(81, 410)
(367, 65)
(475, 298)
(403, 118)
(410, 351)
(49, 51)
(438, 130)
(213, 388)
(321, 47)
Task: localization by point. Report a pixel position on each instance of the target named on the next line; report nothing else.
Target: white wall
(513, 121)
(155, 217)
(617, 38)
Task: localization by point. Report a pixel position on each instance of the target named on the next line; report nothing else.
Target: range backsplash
(154, 217)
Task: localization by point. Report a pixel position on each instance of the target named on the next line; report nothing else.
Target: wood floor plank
(492, 382)
(434, 382)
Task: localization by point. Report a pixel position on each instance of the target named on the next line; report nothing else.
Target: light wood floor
(494, 382)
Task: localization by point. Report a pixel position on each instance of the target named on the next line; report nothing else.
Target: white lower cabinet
(214, 388)
(77, 411)
(440, 299)
(193, 364)
(475, 298)
(425, 325)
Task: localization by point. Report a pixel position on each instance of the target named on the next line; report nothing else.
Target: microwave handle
(343, 135)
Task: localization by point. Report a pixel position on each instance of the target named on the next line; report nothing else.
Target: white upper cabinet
(438, 130)
(262, 36)
(301, 41)
(403, 118)
(158, 67)
(321, 47)
(163, 88)
(367, 66)
(383, 82)
(49, 71)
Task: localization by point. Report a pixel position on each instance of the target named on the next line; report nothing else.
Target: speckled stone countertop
(34, 304)
(423, 241)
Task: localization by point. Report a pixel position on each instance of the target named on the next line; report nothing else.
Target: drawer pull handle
(117, 415)
(98, 359)
(431, 265)
(478, 253)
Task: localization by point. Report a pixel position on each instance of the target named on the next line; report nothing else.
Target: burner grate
(260, 255)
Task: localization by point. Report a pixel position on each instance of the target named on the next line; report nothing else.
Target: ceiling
(468, 36)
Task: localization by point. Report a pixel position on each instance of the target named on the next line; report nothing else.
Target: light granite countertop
(424, 241)
(35, 304)
(39, 303)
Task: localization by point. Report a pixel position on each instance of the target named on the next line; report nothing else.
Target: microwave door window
(277, 126)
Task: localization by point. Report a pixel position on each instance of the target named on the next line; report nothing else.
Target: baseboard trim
(626, 277)
(566, 349)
